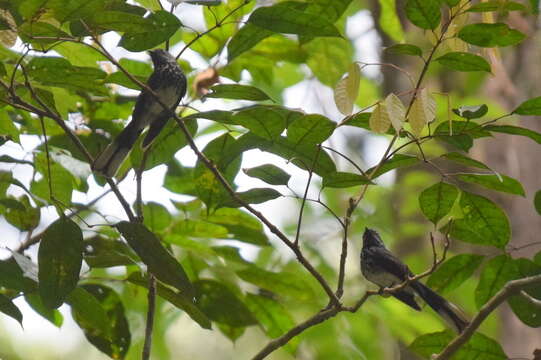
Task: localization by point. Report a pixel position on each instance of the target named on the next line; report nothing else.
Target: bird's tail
(448, 311)
(110, 159)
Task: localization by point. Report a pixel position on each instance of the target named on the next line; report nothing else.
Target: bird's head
(160, 57)
(371, 238)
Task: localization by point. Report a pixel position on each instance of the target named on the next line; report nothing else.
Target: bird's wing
(390, 263)
(155, 128)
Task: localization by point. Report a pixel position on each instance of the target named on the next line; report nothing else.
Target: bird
(169, 83)
(381, 267)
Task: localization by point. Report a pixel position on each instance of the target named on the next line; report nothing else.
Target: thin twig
(347, 158)
(530, 299)
(284, 339)
(150, 317)
(512, 287)
(318, 201)
(396, 67)
(36, 238)
(301, 210)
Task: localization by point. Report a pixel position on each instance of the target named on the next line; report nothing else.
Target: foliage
(72, 101)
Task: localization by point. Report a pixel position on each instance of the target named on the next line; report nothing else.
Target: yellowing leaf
(454, 43)
(396, 110)
(8, 37)
(379, 119)
(354, 78)
(422, 112)
(347, 90)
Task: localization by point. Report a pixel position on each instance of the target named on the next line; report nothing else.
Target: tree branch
(284, 339)
(512, 287)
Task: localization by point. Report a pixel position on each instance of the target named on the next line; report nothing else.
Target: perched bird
(382, 268)
(169, 83)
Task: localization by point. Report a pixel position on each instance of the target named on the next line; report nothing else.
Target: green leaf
(52, 315)
(75, 9)
(120, 21)
(490, 35)
(20, 213)
(221, 305)
(464, 160)
(360, 119)
(537, 201)
(198, 228)
(329, 59)
(9, 308)
(496, 5)
(31, 32)
(165, 25)
(471, 112)
(179, 179)
(460, 133)
(397, 161)
(527, 312)
(462, 61)
(156, 217)
(58, 72)
(261, 120)
(269, 173)
(139, 69)
(344, 180)
(496, 273)
(11, 277)
(252, 196)
(102, 253)
(389, 20)
(7, 127)
(483, 222)
(301, 155)
(180, 300)
(479, 346)
(495, 182)
(235, 91)
(437, 201)
(89, 312)
(534, 4)
(424, 13)
(241, 225)
(285, 18)
(283, 283)
(453, 272)
(60, 257)
(272, 315)
(537, 258)
(61, 181)
(529, 107)
(225, 152)
(158, 260)
(230, 253)
(310, 129)
(246, 38)
(115, 342)
(515, 130)
(404, 49)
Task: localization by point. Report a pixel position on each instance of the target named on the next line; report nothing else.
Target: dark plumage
(169, 83)
(384, 269)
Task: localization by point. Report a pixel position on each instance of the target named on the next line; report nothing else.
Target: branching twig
(36, 238)
(512, 287)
